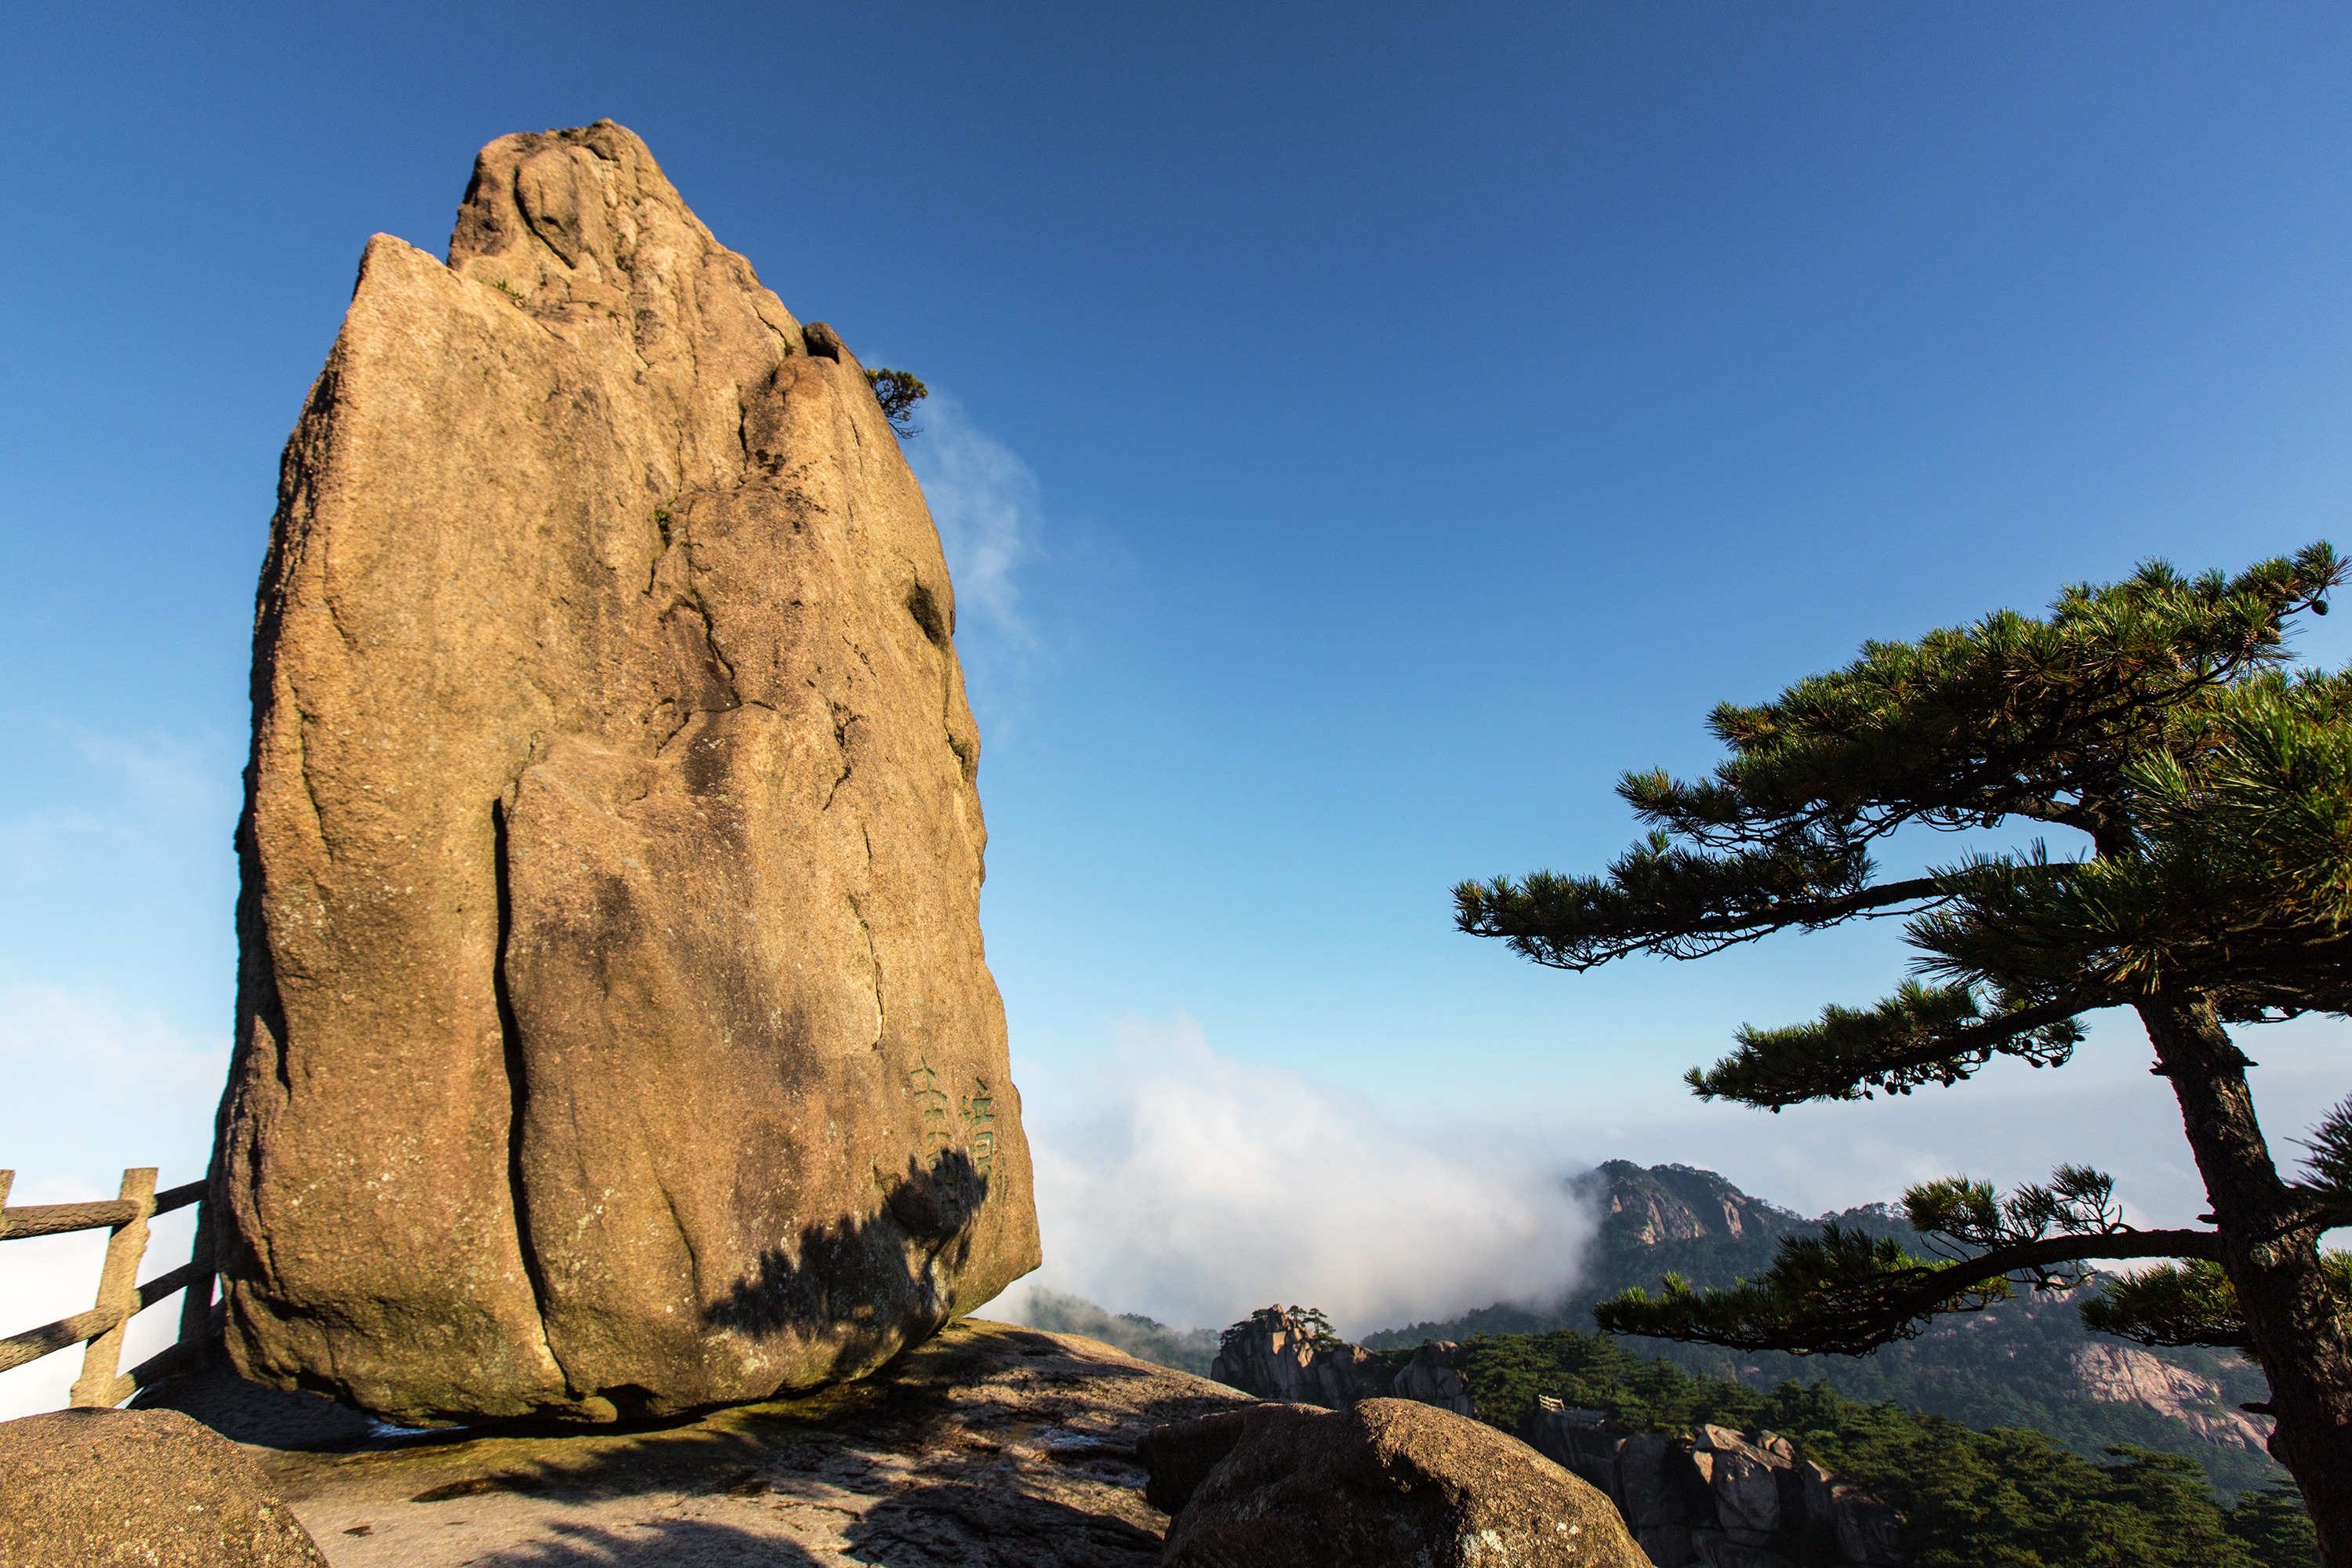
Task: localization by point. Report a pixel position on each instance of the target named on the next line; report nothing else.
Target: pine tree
(2212, 789)
(897, 392)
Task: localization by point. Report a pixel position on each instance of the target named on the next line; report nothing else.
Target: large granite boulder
(81, 1488)
(614, 1033)
(1385, 1482)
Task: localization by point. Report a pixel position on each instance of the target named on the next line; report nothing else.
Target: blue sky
(1363, 433)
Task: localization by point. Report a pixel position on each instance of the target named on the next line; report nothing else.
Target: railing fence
(120, 1297)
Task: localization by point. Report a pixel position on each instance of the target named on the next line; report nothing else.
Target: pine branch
(1678, 904)
(2193, 1304)
(2329, 1168)
(1846, 1293)
(1921, 1035)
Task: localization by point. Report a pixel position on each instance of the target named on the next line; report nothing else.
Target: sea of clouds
(1193, 1188)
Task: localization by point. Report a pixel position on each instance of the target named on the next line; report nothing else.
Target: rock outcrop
(81, 1487)
(986, 1447)
(1711, 1496)
(1678, 1203)
(2116, 1374)
(1719, 1498)
(1388, 1483)
(1276, 1355)
(614, 1033)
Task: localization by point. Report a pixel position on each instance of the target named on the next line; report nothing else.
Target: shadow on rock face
(859, 1280)
(243, 1411)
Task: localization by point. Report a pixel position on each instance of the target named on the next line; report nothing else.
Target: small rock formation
(1275, 1355)
(2118, 1374)
(614, 1033)
(1724, 1498)
(79, 1488)
(1433, 1377)
(1386, 1482)
(1716, 1496)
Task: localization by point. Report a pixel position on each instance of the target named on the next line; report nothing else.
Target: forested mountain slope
(2022, 1363)
(1968, 1499)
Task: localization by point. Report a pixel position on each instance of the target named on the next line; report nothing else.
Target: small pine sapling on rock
(898, 392)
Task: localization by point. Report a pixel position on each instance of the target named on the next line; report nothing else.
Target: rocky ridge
(1680, 1203)
(1709, 1495)
(2027, 1362)
(1717, 1497)
(2125, 1373)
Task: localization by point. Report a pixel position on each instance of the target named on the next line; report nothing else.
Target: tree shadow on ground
(940, 1526)
(657, 1543)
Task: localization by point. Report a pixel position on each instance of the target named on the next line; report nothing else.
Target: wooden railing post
(196, 1306)
(101, 1383)
(120, 1297)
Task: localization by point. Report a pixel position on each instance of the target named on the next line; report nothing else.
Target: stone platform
(989, 1445)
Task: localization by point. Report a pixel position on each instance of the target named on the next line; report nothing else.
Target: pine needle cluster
(2152, 715)
(897, 392)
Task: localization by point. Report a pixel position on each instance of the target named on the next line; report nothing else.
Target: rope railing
(120, 1297)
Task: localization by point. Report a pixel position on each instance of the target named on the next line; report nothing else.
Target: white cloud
(984, 500)
(130, 795)
(2011, 1124)
(1194, 1189)
(96, 1090)
(47, 1031)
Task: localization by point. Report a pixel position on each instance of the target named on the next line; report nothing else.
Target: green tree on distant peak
(1310, 1323)
(2156, 717)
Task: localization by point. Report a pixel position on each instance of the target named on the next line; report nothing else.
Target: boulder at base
(1388, 1481)
(614, 1033)
(83, 1488)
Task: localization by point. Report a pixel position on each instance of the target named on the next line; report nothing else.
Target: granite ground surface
(989, 1445)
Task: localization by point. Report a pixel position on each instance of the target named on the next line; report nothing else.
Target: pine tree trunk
(2272, 1259)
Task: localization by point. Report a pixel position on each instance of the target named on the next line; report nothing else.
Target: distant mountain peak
(1678, 1203)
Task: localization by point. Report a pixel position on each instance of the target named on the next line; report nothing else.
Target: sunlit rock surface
(615, 1036)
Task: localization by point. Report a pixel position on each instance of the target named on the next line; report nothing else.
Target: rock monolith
(614, 1033)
